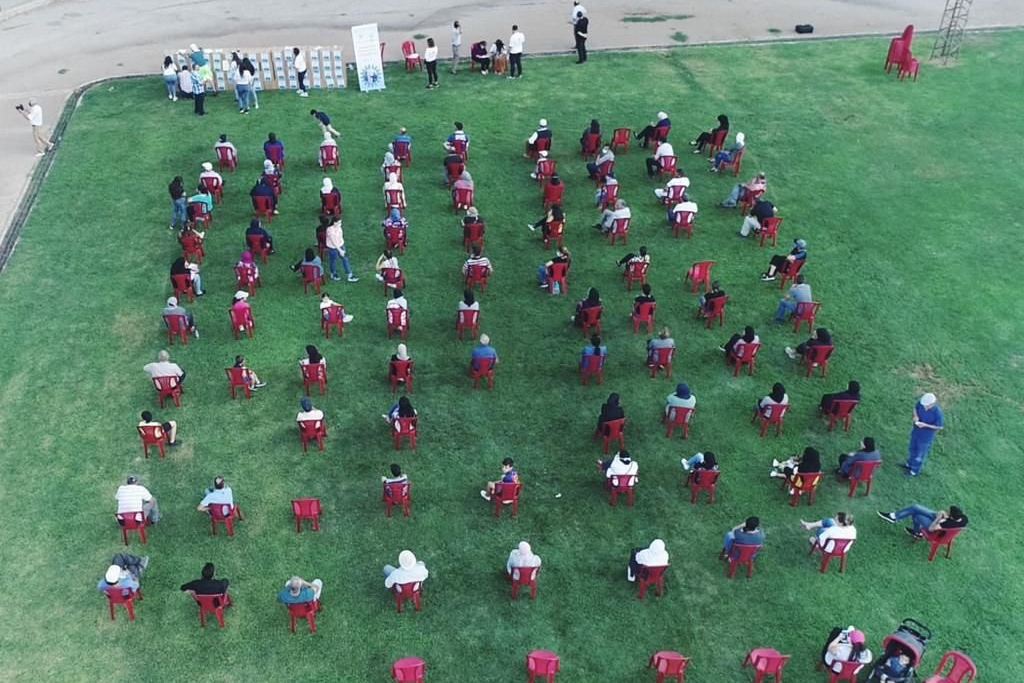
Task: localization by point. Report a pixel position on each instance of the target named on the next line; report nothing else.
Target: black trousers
(581, 48)
(731, 344)
(484, 62)
(653, 166)
(431, 72)
(199, 99)
(302, 80)
(515, 65)
(703, 139)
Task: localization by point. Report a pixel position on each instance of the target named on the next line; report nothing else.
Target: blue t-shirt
(748, 537)
(931, 417)
(323, 118)
(509, 477)
(484, 351)
(305, 595)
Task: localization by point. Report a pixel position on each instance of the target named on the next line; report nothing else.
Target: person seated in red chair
(845, 645)
(182, 267)
(206, 584)
(168, 431)
(923, 519)
(403, 136)
(797, 253)
(297, 590)
(663, 150)
(761, 211)
(459, 134)
(654, 555)
(464, 183)
(705, 302)
(468, 302)
(699, 462)
(508, 476)
(544, 270)
(777, 396)
(642, 257)
(240, 305)
(272, 143)
(541, 156)
(683, 205)
(393, 183)
(807, 462)
(245, 261)
(851, 393)
(248, 375)
(554, 214)
(398, 301)
(664, 340)
(135, 499)
(610, 411)
(756, 185)
(831, 529)
(644, 297)
(542, 133)
(202, 196)
(124, 572)
(729, 154)
(472, 216)
(619, 465)
(606, 156)
(682, 397)
(189, 237)
(208, 172)
(609, 216)
(327, 188)
(648, 132)
(308, 412)
(821, 338)
(387, 259)
(328, 149)
(401, 409)
(593, 128)
(395, 219)
(799, 293)
(602, 193)
(256, 229)
(454, 162)
(219, 494)
(310, 258)
(747, 533)
(678, 180)
(163, 367)
(592, 300)
(483, 350)
(173, 308)
(594, 347)
(409, 570)
(263, 188)
(706, 136)
(401, 354)
(222, 141)
(737, 341)
(522, 556)
(477, 259)
(326, 302)
(397, 476)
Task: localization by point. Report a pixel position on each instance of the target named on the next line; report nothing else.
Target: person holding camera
(34, 115)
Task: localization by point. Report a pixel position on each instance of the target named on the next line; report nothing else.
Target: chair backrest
(394, 235)
(181, 283)
(131, 520)
(408, 48)
(463, 196)
(661, 133)
(394, 168)
(771, 661)
(408, 590)
(818, 353)
(507, 492)
(593, 363)
(558, 270)
(332, 315)
(806, 309)
(236, 376)
(397, 317)
(743, 552)
(526, 574)
(118, 595)
(150, 433)
(591, 315)
(542, 662)
(301, 609)
(306, 507)
(718, 138)
(166, 383)
(176, 322)
(261, 203)
(774, 412)
(330, 202)
(546, 167)
(200, 210)
(963, 669)
(908, 35)
(700, 269)
(715, 305)
(401, 368)
(553, 193)
(543, 143)
(245, 274)
(459, 147)
(314, 372)
(864, 470)
(622, 482)
(329, 154)
(210, 183)
(614, 427)
(670, 663)
(680, 414)
(839, 546)
(478, 271)
(652, 573)
(468, 318)
(395, 197)
(675, 194)
(391, 275)
(405, 425)
(771, 225)
(663, 356)
(211, 603)
(805, 481)
(645, 310)
(668, 164)
(408, 669)
(591, 142)
(454, 170)
(611, 192)
(748, 351)
(401, 149)
(704, 478)
(606, 167)
(310, 429)
(397, 491)
(225, 155)
(221, 511)
(637, 269)
(257, 243)
(620, 136)
(240, 316)
(311, 272)
(473, 231)
(842, 407)
(791, 268)
(483, 365)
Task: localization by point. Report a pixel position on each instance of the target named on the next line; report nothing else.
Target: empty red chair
(314, 373)
(182, 284)
(545, 169)
(770, 228)
(558, 274)
(400, 372)
(748, 198)
(789, 271)
(648, 576)
(329, 157)
(408, 670)
(217, 514)
(702, 480)
(404, 427)
(817, 357)
(661, 359)
(167, 387)
(394, 278)
(939, 538)
(667, 166)
(241, 321)
(734, 164)
(644, 313)
(717, 142)
(680, 417)
(152, 435)
(258, 246)
(618, 485)
(395, 238)
(330, 204)
(541, 663)
(212, 604)
(397, 321)
(403, 152)
(263, 207)
(862, 472)
(740, 554)
(635, 271)
(682, 221)
(746, 356)
(805, 311)
(699, 272)
(611, 195)
(303, 610)
(670, 664)
(214, 186)
(771, 415)
(590, 143)
(312, 430)
(396, 493)
(612, 430)
(556, 232)
(245, 278)
(801, 483)
(620, 230)
(766, 662)
(482, 367)
(908, 66)
(333, 316)
(191, 246)
(237, 379)
(462, 199)
(620, 138)
(312, 275)
(847, 671)
(473, 233)
(477, 274)
(467, 320)
(590, 317)
(839, 548)
(715, 308)
(394, 198)
(200, 214)
(894, 57)
(552, 194)
(116, 596)
(592, 365)
(841, 410)
(306, 508)
(506, 494)
(412, 58)
(408, 591)
(524, 576)
(961, 670)
(226, 158)
(132, 521)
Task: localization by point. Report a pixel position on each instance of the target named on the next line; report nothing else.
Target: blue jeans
(542, 274)
(785, 306)
(734, 197)
(727, 542)
(721, 158)
(825, 523)
(172, 85)
(242, 93)
(695, 460)
(919, 514)
(917, 452)
(332, 262)
(178, 212)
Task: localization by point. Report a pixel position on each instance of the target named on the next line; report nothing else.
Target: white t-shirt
(130, 497)
(163, 369)
(430, 54)
(456, 36)
(618, 468)
(848, 533)
(300, 62)
(170, 70)
(685, 206)
(516, 43)
(315, 414)
(35, 115)
(664, 150)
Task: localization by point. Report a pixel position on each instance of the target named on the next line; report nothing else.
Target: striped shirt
(130, 497)
(197, 83)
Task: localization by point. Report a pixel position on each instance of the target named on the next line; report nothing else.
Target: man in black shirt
(580, 32)
(207, 585)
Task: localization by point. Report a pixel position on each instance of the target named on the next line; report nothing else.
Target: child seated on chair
(508, 476)
(895, 669)
(806, 463)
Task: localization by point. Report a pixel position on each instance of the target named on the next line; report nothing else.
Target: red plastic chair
(805, 311)
(408, 591)
(167, 387)
(258, 246)
(129, 521)
(556, 232)
(590, 317)
(396, 494)
(214, 186)
(328, 157)
(841, 410)
(542, 145)
(459, 146)
(263, 207)
(527, 577)
(592, 365)
(705, 482)
(482, 367)
(847, 671)
(116, 596)
(403, 152)
(789, 271)
(660, 134)
(668, 663)
(394, 278)
(620, 139)
(312, 430)
(276, 155)
(152, 435)
(644, 313)
(839, 548)
(412, 59)
(673, 195)
(552, 194)
(590, 144)
(662, 360)
(177, 326)
(962, 669)
(894, 57)
(817, 357)
(748, 198)
(217, 514)
(770, 228)
(306, 508)
(766, 662)
(682, 221)
(862, 472)
(799, 484)
(667, 166)
(397, 321)
(191, 246)
(680, 418)
(399, 370)
(212, 604)
(330, 204)
(395, 238)
(303, 610)
(333, 316)
(649, 576)
(506, 494)
(200, 214)
(939, 538)
(473, 233)
(226, 158)
(558, 273)
(394, 198)
(716, 310)
(746, 356)
(394, 168)
(312, 275)
(620, 229)
(771, 415)
(625, 486)
(467, 320)
(453, 170)
(612, 430)
(545, 169)
(236, 380)
(611, 195)
(245, 278)
(477, 275)
(740, 554)
(635, 271)
(404, 427)
(699, 272)
(734, 164)
(408, 670)
(314, 373)
(908, 66)
(717, 142)
(542, 663)
(462, 199)
(241, 321)
(182, 284)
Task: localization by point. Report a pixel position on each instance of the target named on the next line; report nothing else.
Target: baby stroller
(910, 639)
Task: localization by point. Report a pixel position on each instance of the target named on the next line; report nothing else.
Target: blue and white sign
(369, 66)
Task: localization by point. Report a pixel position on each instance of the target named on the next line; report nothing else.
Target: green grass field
(906, 194)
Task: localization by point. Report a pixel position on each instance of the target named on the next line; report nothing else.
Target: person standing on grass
(335, 240)
(580, 34)
(299, 64)
(198, 92)
(170, 72)
(430, 61)
(456, 44)
(928, 420)
(325, 122)
(516, 43)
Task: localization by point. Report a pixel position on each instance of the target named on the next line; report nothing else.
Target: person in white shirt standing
(300, 71)
(516, 43)
(456, 44)
(132, 497)
(34, 115)
(430, 61)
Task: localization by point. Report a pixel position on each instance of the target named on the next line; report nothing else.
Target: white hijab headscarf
(525, 551)
(327, 187)
(406, 560)
(741, 139)
(268, 166)
(402, 352)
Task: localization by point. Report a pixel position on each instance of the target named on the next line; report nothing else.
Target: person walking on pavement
(582, 25)
(456, 44)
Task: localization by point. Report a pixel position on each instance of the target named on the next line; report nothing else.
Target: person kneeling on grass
(924, 519)
(654, 555)
(508, 476)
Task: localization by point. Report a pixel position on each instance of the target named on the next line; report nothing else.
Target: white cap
(207, 166)
(241, 294)
(113, 574)
(662, 116)
(543, 153)
(928, 400)
(193, 47)
(543, 123)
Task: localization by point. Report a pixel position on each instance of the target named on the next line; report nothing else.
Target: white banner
(369, 67)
